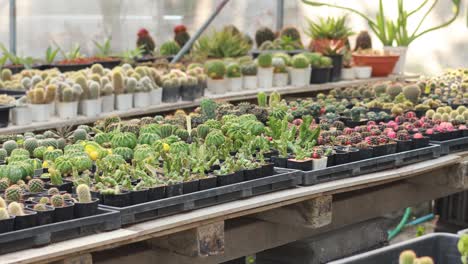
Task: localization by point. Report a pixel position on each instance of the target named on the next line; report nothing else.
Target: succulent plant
(407, 257)
(215, 69)
(57, 201)
(36, 185)
(40, 207)
(412, 93)
(169, 48)
(233, 70)
(15, 209)
(394, 90)
(53, 191)
(4, 184)
(44, 200)
(84, 195)
(299, 61)
(9, 146)
(4, 214)
(13, 193)
(118, 82)
(292, 33)
(3, 154)
(265, 60)
(264, 34)
(249, 69)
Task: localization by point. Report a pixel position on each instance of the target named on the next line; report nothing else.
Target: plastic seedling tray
(282, 179)
(104, 220)
(441, 247)
(353, 169)
(453, 145)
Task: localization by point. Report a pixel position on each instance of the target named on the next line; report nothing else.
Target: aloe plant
(51, 54)
(73, 54)
(27, 62)
(104, 48)
(389, 31)
(130, 56)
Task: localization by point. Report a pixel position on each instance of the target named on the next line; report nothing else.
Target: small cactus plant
(84, 195)
(13, 193)
(15, 209)
(4, 214)
(215, 69)
(264, 34)
(53, 191)
(2, 203)
(299, 61)
(4, 184)
(40, 207)
(9, 146)
(44, 200)
(36, 185)
(57, 201)
(265, 60)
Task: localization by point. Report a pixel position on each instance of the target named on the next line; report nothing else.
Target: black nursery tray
(370, 165)
(441, 247)
(105, 220)
(283, 179)
(453, 145)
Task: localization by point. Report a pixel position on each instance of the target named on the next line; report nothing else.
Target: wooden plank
(164, 107)
(202, 241)
(81, 259)
(313, 213)
(181, 222)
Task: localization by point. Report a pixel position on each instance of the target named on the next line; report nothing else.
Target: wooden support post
(313, 213)
(81, 259)
(203, 241)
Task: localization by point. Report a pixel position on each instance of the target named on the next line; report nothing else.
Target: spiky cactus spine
(15, 209)
(4, 214)
(97, 69)
(9, 146)
(2, 203)
(4, 184)
(50, 92)
(412, 93)
(118, 82)
(36, 185)
(84, 195)
(13, 193)
(6, 75)
(30, 144)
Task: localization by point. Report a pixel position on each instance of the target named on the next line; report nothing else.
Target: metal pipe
(279, 15)
(13, 26)
(200, 31)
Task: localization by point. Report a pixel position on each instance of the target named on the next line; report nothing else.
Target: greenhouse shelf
(442, 248)
(105, 220)
(165, 107)
(283, 179)
(370, 165)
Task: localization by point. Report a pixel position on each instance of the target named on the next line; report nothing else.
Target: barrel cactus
(9, 146)
(51, 155)
(30, 144)
(36, 185)
(215, 69)
(53, 191)
(3, 154)
(4, 184)
(39, 152)
(215, 138)
(15, 209)
(299, 61)
(44, 200)
(57, 201)
(147, 138)
(84, 195)
(264, 34)
(124, 139)
(265, 60)
(13, 193)
(4, 214)
(412, 93)
(126, 153)
(80, 134)
(40, 207)
(64, 165)
(169, 48)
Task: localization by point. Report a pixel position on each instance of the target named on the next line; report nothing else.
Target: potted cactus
(280, 72)
(24, 218)
(7, 221)
(41, 102)
(142, 97)
(171, 86)
(90, 102)
(300, 71)
(86, 205)
(233, 73)
(215, 69)
(190, 88)
(67, 106)
(123, 89)
(321, 68)
(21, 114)
(265, 70)
(107, 96)
(45, 213)
(249, 76)
(319, 159)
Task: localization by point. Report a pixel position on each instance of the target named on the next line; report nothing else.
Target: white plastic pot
(141, 99)
(400, 65)
(107, 103)
(91, 108)
(21, 116)
(156, 96)
(67, 110)
(217, 86)
(319, 163)
(300, 77)
(52, 109)
(124, 102)
(249, 82)
(265, 78)
(363, 72)
(348, 74)
(280, 79)
(40, 112)
(235, 84)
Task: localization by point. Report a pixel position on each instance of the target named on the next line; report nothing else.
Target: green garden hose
(404, 220)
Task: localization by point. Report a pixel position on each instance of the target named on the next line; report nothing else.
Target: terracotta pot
(381, 65)
(322, 45)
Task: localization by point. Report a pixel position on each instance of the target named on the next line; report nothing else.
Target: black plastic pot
(207, 183)
(86, 209)
(171, 95)
(43, 217)
(420, 113)
(280, 161)
(29, 219)
(435, 137)
(337, 61)
(391, 148)
(251, 174)
(352, 124)
(199, 91)
(190, 186)
(320, 75)
(236, 177)
(156, 193)
(67, 186)
(267, 169)
(117, 200)
(366, 153)
(331, 160)
(380, 150)
(71, 67)
(341, 157)
(138, 197)
(64, 213)
(303, 165)
(109, 64)
(7, 225)
(174, 190)
(464, 132)
(420, 142)
(354, 154)
(5, 115)
(404, 145)
(187, 92)
(455, 134)
(270, 154)
(96, 195)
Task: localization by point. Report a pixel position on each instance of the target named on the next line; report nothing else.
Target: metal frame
(13, 26)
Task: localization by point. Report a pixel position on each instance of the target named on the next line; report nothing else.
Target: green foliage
(215, 69)
(169, 48)
(221, 44)
(233, 70)
(264, 34)
(51, 54)
(300, 61)
(262, 99)
(329, 28)
(265, 60)
(104, 48)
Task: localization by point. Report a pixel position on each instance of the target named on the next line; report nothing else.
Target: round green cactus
(50, 142)
(169, 48)
(19, 152)
(233, 70)
(30, 144)
(84, 195)
(4, 184)
(265, 60)
(40, 207)
(412, 93)
(9, 146)
(57, 201)
(51, 155)
(80, 134)
(53, 191)
(299, 61)
(64, 165)
(44, 200)
(102, 138)
(394, 90)
(13, 193)
(39, 152)
(325, 62)
(249, 69)
(407, 257)
(124, 139)
(36, 185)
(215, 138)
(291, 32)
(182, 134)
(3, 154)
(147, 138)
(126, 153)
(82, 162)
(215, 69)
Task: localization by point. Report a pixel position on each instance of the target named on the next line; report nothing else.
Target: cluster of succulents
(288, 39)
